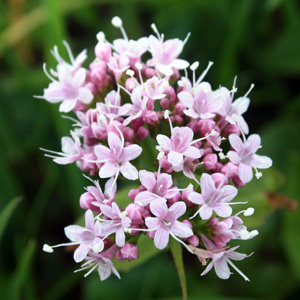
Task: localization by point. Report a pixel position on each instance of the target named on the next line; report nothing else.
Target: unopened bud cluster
(120, 100)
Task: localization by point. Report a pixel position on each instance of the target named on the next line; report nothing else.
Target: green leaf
(176, 251)
(23, 271)
(7, 212)
(146, 251)
(291, 224)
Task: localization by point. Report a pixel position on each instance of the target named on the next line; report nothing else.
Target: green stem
(176, 251)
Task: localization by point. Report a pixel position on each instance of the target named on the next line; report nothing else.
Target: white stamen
(100, 36)
(204, 72)
(258, 174)
(129, 72)
(250, 89)
(160, 155)
(138, 66)
(123, 214)
(221, 155)
(47, 248)
(116, 22)
(127, 230)
(249, 212)
(194, 66)
(166, 114)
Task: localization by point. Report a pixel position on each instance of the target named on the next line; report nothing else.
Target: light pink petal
(131, 152)
(177, 210)
(147, 179)
(81, 252)
(161, 238)
(236, 255)
(207, 185)
(163, 141)
(107, 211)
(186, 99)
(236, 142)
(102, 152)
(192, 152)
(74, 232)
(114, 142)
(182, 230)
(223, 210)
(159, 208)
(129, 171)
(253, 142)
(245, 173)
(261, 162)
(165, 180)
(68, 146)
(208, 268)
(120, 237)
(205, 212)
(241, 104)
(152, 222)
(65, 160)
(104, 271)
(222, 269)
(234, 157)
(180, 64)
(79, 77)
(191, 113)
(89, 220)
(85, 95)
(67, 105)
(228, 192)
(144, 198)
(165, 69)
(175, 158)
(109, 169)
(196, 198)
(171, 193)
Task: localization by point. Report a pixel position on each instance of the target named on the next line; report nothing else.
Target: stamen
(154, 28)
(69, 52)
(100, 36)
(204, 72)
(250, 89)
(46, 72)
(238, 270)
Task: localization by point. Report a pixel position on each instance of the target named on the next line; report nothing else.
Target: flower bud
(193, 240)
(129, 252)
(135, 213)
(219, 178)
(210, 161)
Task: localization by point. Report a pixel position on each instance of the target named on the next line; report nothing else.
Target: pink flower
(165, 223)
(158, 187)
(87, 237)
(118, 64)
(68, 90)
(116, 158)
(200, 102)
(117, 223)
(179, 145)
(164, 55)
(71, 150)
(244, 156)
(212, 198)
(221, 258)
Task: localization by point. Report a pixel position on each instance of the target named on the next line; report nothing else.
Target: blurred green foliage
(257, 40)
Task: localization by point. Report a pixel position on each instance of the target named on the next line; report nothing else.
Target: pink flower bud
(128, 133)
(79, 107)
(86, 200)
(188, 223)
(130, 84)
(170, 92)
(178, 119)
(103, 51)
(137, 123)
(85, 165)
(238, 182)
(184, 197)
(142, 133)
(194, 125)
(149, 72)
(150, 117)
(179, 108)
(210, 161)
(129, 252)
(193, 240)
(231, 129)
(219, 178)
(174, 199)
(230, 169)
(132, 194)
(135, 212)
(206, 126)
(164, 103)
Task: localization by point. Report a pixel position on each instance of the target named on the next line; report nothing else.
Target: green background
(259, 41)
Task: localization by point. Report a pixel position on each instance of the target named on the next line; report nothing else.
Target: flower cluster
(121, 100)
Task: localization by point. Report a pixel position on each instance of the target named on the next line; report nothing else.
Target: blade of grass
(7, 212)
(22, 271)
